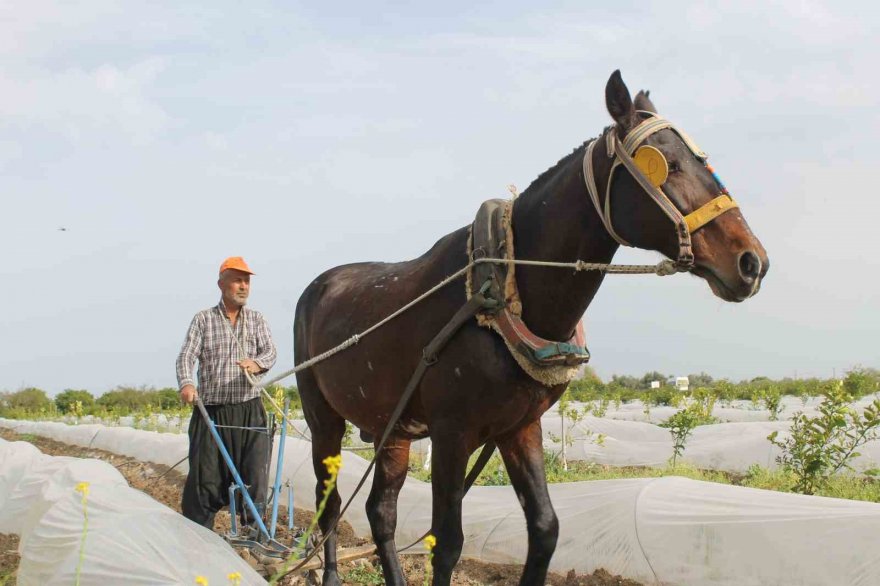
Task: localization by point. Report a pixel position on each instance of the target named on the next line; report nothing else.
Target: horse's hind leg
(391, 467)
(327, 428)
(523, 455)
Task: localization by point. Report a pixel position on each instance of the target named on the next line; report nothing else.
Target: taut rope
(663, 268)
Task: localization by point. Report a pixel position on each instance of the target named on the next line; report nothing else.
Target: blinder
(650, 169)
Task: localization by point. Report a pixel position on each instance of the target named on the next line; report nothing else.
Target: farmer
(227, 339)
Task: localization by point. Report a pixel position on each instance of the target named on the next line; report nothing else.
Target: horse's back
(349, 298)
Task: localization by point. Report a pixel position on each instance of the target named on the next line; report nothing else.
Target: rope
(663, 268)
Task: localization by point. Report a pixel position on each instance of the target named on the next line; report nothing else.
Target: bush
(818, 447)
(66, 400)
(29, 401)
(123, 400)
(697, 411)
(861, 381)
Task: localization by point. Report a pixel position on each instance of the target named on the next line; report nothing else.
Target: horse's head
(663, 196)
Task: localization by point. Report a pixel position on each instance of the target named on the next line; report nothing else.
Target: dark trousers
(207, 485)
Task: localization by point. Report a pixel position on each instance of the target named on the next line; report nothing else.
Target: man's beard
(239, 299)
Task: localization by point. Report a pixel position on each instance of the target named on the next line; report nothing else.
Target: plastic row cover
(130, 538)
(658, 531)
(732, 447)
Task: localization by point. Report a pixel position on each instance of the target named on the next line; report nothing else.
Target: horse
(477, 392)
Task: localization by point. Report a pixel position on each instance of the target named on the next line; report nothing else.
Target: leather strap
(699, 218)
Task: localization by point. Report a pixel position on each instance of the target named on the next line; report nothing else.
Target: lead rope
(662, 269)
(468, 310)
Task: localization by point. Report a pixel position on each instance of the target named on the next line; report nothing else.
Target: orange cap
(237, 263)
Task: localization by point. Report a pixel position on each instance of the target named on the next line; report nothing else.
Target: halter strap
(621, 153)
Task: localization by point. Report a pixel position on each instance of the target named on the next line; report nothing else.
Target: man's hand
(250, 366)
(188, 394)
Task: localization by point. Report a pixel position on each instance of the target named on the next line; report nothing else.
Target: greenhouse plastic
(130, 538)
(671, 531)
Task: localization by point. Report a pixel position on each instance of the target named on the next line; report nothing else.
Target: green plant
(599, 408)
(26, 403)
(771, 399)
(430, 544)
(573, 415)
(67, 399)
(681, 425)
(367, 575)
(333, 464)
(818, 447)
(83, 489)
(861, 381)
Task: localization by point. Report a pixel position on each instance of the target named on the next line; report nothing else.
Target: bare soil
(166, 487)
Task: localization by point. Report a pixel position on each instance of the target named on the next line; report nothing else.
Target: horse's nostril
(749, 265)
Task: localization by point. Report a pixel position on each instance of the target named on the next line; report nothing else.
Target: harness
(650, 169)
(491, 237)
(546, 361)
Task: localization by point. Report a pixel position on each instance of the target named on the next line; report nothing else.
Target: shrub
(66, 400)
(861, 381)
(683, 423)
(818, 447)
(26, 401)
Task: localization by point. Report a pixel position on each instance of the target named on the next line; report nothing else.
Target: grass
(367, 575)
(6, 576)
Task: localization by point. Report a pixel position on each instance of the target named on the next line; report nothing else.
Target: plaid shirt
(210, 340)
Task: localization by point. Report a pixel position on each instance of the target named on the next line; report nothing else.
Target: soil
(166, 486)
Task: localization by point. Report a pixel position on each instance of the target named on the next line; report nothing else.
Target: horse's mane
(541, 179)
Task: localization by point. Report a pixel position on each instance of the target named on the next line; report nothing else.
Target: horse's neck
(556, 221)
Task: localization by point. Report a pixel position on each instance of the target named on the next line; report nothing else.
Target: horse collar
(546, 361)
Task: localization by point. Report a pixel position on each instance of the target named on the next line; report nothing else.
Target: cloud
(83, 104)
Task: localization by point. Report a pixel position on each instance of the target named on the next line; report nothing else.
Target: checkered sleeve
(266, 353)
(186, 360)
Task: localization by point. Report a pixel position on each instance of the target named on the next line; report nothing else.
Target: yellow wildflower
(430, 542)
(83, 488)
(333, 464)
(234, 578)
(201, 581)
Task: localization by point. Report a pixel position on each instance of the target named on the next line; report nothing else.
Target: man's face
(235, 285)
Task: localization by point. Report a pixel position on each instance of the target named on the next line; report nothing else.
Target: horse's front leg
(450, 457)
(392, 464)
(523, 454)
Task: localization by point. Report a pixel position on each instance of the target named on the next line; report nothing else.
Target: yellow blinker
(652, 163)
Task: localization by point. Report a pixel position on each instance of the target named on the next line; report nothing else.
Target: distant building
(682, 383)
(655, 384)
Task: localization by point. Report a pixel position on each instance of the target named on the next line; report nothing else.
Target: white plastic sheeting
(670, 531)
(131, 539)
(731, 447)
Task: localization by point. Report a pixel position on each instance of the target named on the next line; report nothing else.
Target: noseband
(649, 168)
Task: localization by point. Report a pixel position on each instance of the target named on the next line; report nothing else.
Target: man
(227, 340)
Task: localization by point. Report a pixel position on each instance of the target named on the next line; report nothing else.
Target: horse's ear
(643, 102)
(619, 103)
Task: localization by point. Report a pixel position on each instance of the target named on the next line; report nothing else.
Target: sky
(166, 136)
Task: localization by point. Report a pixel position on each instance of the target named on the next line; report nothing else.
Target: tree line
(122, 400)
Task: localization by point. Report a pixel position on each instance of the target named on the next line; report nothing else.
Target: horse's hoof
(329, 579)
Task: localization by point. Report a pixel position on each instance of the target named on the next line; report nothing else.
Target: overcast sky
(165, 136)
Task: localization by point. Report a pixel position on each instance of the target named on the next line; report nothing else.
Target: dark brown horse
(477, 392)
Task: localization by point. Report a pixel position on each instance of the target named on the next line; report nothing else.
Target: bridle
(649, 168)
